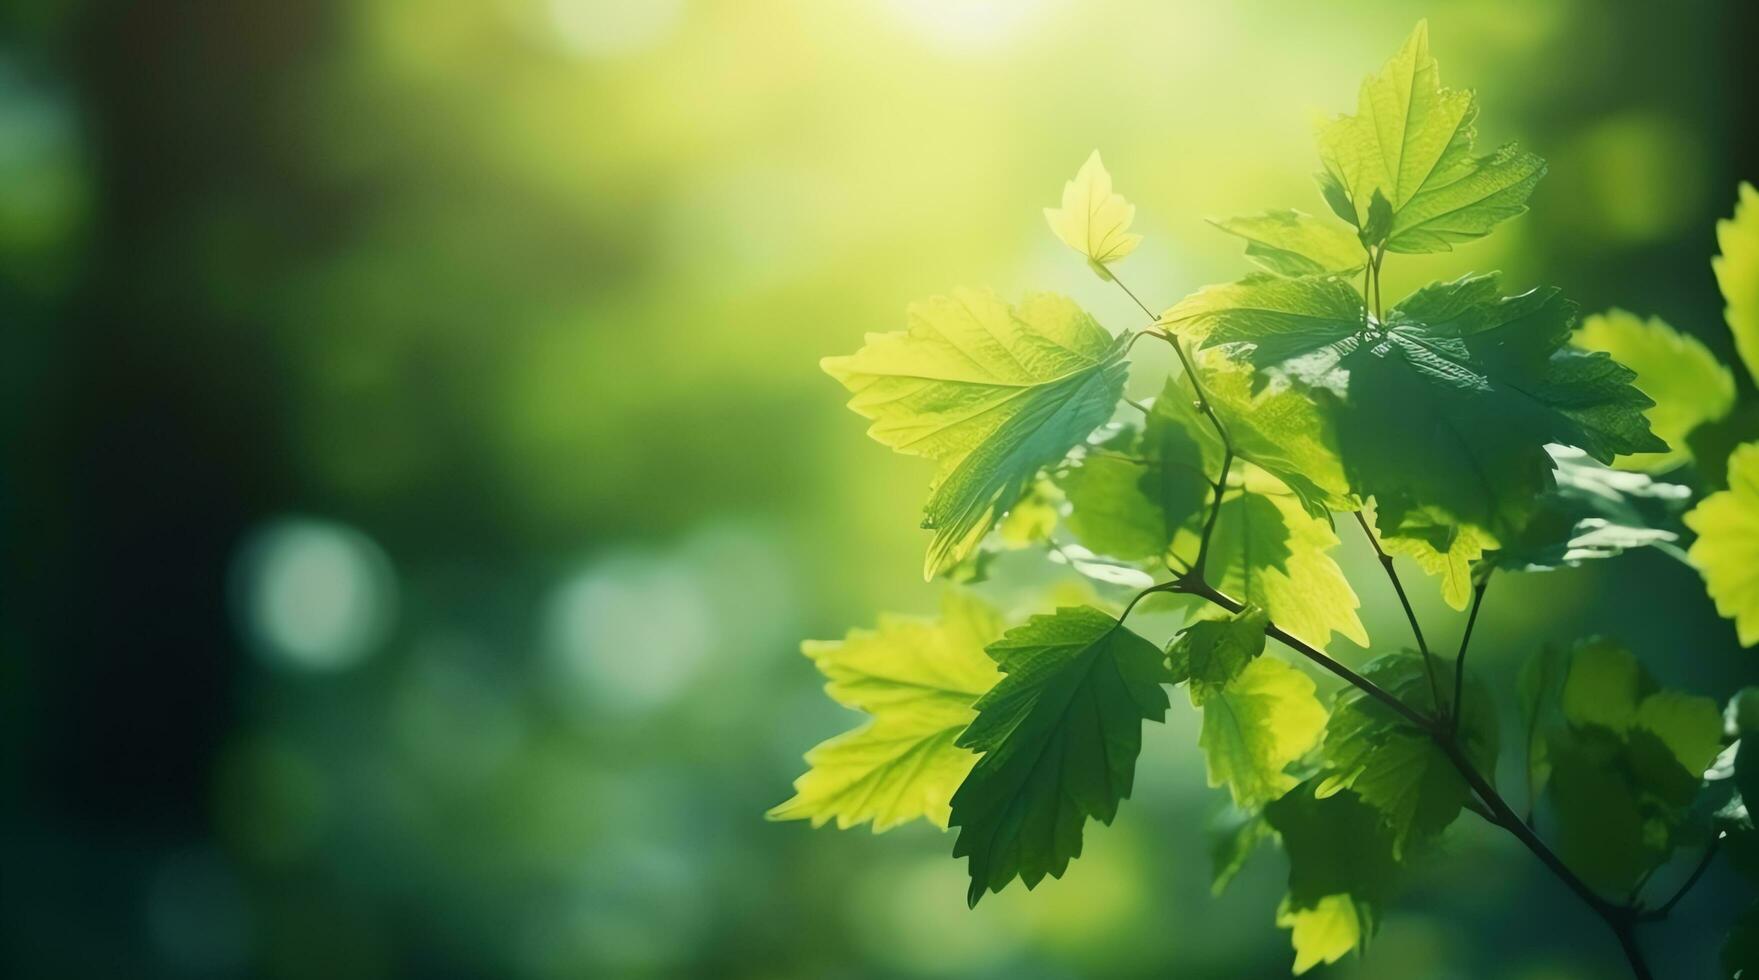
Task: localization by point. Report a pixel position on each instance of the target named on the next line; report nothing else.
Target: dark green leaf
(1058, 736)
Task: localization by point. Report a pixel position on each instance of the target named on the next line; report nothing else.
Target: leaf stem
(1458, 708)
(1386, 562)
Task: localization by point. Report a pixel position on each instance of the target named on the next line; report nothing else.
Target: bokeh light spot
(314, 594)
(629, 632)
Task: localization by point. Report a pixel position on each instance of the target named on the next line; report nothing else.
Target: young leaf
(1727, 549)
(1093, 220)
(1210, 653)
(992, 393)
(918, 679)
(1411, 141)
(1594, 512)
(1688, 384)
(1059, 737)
(1396, 769)
(1290, 243)
(1737, 273)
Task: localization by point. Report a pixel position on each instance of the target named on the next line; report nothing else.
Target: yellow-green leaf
(1689, 385)
(1290, 243)
(991, 392)
(1257, 723)
(1737, 272)
(1267, 550)
(1093, 220)
(1727, 549)
(1324, 933)
(918, 679)
(1411, 140)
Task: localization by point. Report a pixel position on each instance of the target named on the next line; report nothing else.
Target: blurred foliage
(417, 477)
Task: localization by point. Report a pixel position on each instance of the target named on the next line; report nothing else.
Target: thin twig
(1215, 511)
(1458, 708)
(1661, 911)
(1386, 562)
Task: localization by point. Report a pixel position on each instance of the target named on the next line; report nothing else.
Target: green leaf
(1093, 220)
(1626, 760)
(1059, 737)
(1443, 413)
(992, 393)
(1255, 725)
(1411, 140)
(1259, 714)
(1269, 552)
(1595, 511)
(1339, 849)
(1279, 430)
(1267, 548)
(1393, 767)
(1604, 834)
(1290, 243)
(1687, 383)
(1727, 549)
(1737, 273)
(1210, 653)
(918, 679)
(1129, 494)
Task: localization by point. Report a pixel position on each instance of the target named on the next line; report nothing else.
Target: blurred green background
(417, 476)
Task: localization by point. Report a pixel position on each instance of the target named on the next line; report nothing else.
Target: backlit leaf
(1093, 220)
(1411, 140)
(1255, 725)
(1290, 243)
(990, 392)
(1687, 383)
(918, 679)
(1727, 549)
(1737, 272)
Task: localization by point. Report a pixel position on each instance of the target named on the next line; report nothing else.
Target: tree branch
(1197, 587)
(1619, 918)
